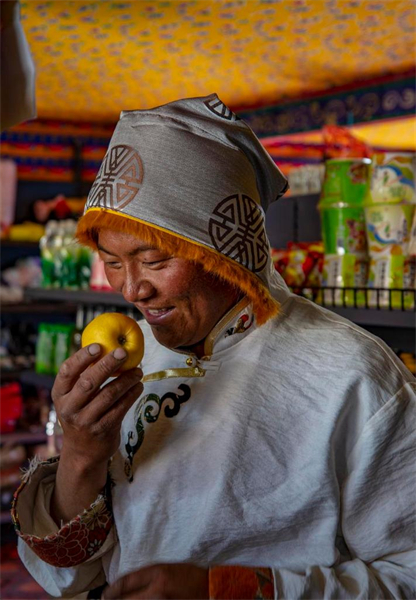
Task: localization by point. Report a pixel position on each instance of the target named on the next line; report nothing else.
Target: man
(268, 454)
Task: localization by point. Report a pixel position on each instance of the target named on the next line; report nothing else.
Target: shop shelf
(396, 325)
(91, 297)
(4, 244)
(7, 375)
(28, 376)
(394, 303)
(38, 308)
(24, 437)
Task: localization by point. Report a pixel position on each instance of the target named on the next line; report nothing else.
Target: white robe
(293, 451)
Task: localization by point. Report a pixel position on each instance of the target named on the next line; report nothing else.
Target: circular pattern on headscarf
(237, 230)
(216, 106)
(119, 178)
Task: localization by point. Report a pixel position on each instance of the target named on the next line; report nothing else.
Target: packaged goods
(11, 404)
(389, 212)
(306, 179)
(68, 256)
(392, 178)
(84, 267)
(25, 232)
(339, 141)
(341, 207)
(54, 346)
(65, 264)
(280, 259)
(47, 254)
(45, 349)
(300, 265)
(63, 344)
(57, 254)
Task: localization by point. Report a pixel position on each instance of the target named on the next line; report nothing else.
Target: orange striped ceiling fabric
(94, 59)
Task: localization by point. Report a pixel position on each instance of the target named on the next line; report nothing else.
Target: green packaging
(389, 210)
(47, 255)
(344, 229)
(63, 342)
(392, 178)
(346, 181)
(45, 349)
(84, 267)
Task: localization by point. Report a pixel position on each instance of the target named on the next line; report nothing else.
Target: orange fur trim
(240, 583)
(264, 305)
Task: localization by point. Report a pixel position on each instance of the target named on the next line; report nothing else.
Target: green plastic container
(45, 349)
(63, 344)
(346, 181)
(389, 209)
(343, 223)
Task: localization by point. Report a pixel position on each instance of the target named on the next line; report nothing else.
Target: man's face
(180, 301)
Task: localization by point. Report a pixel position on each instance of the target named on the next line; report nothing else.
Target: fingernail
(119, 353)
(94, 349)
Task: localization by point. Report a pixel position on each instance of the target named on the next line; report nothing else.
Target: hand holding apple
(91, 413)
(113, 330)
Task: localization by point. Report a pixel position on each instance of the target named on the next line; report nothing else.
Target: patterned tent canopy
(95, 58)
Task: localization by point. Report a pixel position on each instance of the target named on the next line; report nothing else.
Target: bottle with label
(56, 248)
(63, 339)
(46, 254)
(84, 267)
(69, 252)
(45, 349)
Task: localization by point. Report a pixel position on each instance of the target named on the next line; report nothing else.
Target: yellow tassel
(264, 305)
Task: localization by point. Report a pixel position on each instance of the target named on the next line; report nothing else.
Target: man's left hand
(179, 581)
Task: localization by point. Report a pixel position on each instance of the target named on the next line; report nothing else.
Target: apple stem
(122, 340)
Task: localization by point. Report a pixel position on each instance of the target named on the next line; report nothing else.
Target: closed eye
(154, 263)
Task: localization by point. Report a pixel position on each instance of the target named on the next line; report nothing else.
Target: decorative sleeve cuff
(240, 583)
(76, 541)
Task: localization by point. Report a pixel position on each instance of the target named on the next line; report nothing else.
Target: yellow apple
(114, 330)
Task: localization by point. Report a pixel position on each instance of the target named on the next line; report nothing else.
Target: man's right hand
(91, 415)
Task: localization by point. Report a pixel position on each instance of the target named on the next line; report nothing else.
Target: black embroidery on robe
(149, 409)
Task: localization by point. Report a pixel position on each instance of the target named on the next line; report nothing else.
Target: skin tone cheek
(153, 281)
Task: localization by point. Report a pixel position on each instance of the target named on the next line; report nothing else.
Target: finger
(72, 368)
(90, 381)
(127, 585)
(119, 394)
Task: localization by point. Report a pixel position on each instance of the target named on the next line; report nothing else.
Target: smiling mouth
(156, 312)
(156, 315)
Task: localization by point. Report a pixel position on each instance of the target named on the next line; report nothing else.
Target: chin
(169, 341)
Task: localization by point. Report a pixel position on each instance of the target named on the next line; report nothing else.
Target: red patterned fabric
(77, 540)
(240, 583)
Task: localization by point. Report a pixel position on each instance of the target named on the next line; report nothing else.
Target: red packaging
(11, 406)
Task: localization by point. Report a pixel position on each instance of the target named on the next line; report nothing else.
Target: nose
(136, 288)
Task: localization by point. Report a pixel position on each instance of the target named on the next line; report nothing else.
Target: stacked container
(344, 229)
(389, 210)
